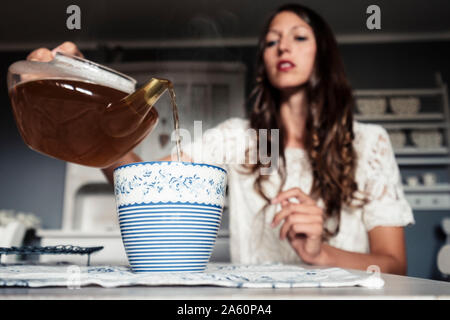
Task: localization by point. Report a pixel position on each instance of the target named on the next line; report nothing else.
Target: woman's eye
(270, 43)
(300, 38)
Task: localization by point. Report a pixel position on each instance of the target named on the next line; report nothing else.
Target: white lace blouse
(252, 240)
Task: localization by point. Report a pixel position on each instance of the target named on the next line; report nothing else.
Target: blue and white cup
(169, 213)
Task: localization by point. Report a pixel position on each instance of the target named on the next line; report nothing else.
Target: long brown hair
(328, 137)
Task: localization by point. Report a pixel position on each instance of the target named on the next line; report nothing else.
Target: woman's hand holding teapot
(45, 55)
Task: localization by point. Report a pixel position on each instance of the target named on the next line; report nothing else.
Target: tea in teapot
(78, 111)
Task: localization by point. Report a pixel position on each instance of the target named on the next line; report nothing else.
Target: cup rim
(186, 163)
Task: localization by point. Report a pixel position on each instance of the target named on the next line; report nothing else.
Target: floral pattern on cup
(156, 182)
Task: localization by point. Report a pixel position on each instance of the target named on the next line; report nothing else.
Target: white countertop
(396, 287)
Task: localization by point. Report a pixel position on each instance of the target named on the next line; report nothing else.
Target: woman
(336, 199)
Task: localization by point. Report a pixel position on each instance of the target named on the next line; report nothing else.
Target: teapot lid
(72, 67)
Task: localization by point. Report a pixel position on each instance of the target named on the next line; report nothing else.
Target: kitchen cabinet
(424, 164)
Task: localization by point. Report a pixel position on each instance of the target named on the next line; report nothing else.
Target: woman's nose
(284, 45)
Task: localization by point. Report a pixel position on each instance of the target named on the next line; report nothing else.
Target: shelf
(409, 156)
(422, 161)
(429, 208)
(444, 187)
(397, 92)
(414, 126)
(428, 201)
(417, 151)
(397, 117)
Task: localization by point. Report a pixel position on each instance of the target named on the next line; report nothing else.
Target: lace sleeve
(386, 205)
(221, 145)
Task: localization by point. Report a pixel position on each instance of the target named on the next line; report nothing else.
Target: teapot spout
(123, 117)
(151, 91)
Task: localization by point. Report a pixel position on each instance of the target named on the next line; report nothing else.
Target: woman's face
(290, 51)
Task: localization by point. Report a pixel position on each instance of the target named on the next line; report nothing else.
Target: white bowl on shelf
(371, 106)
(398, 138)
(431, 138)
(429, 179)
(405, 105)
(412, 181)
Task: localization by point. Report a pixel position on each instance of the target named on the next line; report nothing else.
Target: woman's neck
(293, 109)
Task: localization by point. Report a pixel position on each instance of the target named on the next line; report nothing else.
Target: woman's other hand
(302, 223)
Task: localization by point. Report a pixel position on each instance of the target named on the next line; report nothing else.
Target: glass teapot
(78, 111)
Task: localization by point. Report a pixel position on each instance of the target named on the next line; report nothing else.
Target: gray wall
(35, 183)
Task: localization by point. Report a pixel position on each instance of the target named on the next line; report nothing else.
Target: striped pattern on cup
(169, 236)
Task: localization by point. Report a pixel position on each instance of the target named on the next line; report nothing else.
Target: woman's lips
(285, 65)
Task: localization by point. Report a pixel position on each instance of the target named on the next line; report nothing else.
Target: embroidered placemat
(225, 275)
